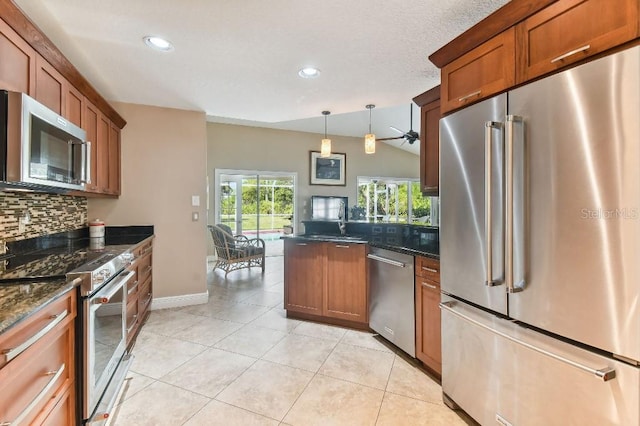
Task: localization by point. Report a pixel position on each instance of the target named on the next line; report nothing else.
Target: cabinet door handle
(36, 401)
(10, 354)
(470, 95)
(431, 286)
(571, 53)
(433, 271)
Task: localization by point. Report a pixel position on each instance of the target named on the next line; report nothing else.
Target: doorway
(258, 204)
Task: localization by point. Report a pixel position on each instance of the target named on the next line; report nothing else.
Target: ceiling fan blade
(389, 139)
(397, 130)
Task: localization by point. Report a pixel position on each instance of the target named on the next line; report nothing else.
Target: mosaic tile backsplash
(50, 213)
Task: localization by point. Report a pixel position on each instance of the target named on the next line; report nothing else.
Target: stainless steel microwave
(39, 149)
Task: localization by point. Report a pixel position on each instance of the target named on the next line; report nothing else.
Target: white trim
(179, 301)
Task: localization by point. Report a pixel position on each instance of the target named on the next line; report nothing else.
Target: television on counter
(325, 207)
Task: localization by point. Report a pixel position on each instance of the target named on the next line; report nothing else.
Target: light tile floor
(238, 360)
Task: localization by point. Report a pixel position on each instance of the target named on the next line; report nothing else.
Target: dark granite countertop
(19, 301)
(431, 250)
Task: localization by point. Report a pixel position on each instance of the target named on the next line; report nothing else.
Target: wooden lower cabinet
(140, 292)
(303, 277)
(428, 333)
(326, 281)
(37, 385)
(346, 294)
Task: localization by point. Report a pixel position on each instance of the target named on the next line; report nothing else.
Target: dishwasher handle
(386, 260)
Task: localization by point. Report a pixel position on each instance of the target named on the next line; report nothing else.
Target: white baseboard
(179, 301)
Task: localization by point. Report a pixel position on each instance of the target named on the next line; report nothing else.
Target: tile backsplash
(50, 213)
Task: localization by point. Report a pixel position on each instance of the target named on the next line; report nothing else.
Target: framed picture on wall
(329, 170)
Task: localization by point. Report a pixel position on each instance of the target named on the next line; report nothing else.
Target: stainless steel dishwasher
(391, 298)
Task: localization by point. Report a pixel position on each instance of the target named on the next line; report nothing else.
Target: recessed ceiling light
(309, 72)
(158, 43)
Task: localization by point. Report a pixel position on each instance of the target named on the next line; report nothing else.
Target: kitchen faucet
(341, 219)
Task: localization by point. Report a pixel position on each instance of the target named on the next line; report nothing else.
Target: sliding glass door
(255, 204)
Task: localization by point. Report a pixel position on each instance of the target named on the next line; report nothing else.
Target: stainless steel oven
(103, 359)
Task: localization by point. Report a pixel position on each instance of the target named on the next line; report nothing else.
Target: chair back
(222, 240)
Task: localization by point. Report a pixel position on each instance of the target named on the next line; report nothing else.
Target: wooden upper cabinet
(50, 86)
(90, 117)
(102, 149)
(484, 71)
(114, 160)
(74, 105)
(17, 62)
(571, 30)
(429, 103)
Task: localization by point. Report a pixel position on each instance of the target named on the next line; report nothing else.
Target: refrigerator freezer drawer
(500, 372)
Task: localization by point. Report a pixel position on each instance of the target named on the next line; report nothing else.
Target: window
(394, 200)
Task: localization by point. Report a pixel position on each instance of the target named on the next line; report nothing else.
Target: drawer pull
(301, 244)
(36, 401)
(135, 321)
(147, 269)
(341, 246)
(10, 354)
(147, 250)
(470, 95)
(433, 271)
(431, 286)
(571, 53)
(133, 288)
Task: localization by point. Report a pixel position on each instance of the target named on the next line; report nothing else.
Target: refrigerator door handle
(489, 127)
(605, 374)
(510, 204)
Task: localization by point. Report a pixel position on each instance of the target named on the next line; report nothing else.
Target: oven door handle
(110, 290)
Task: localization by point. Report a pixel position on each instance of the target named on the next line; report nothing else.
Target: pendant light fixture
(370, 138)
(325, 148)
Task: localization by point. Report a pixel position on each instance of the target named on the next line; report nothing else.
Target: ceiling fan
(411, 136)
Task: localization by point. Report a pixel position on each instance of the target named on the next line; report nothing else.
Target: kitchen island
(327, 277)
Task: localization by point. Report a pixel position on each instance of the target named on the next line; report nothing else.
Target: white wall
(163, 165)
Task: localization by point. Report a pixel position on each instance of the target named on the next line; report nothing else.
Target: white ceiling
(237, 60)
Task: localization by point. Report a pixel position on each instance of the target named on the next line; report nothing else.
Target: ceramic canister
(96, 229)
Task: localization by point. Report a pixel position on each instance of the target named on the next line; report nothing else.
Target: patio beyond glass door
(256, 205)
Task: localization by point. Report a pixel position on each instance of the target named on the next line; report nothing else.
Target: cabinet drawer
(572, 30)
(427, 284)
(144, 268)
(63, 411)
(145, 295)
(37, 376)
(31, 327)
(486, 70)
(142, 249)
(132, 316)
(428, 268)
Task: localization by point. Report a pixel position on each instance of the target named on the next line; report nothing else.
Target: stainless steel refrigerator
(540, 250)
